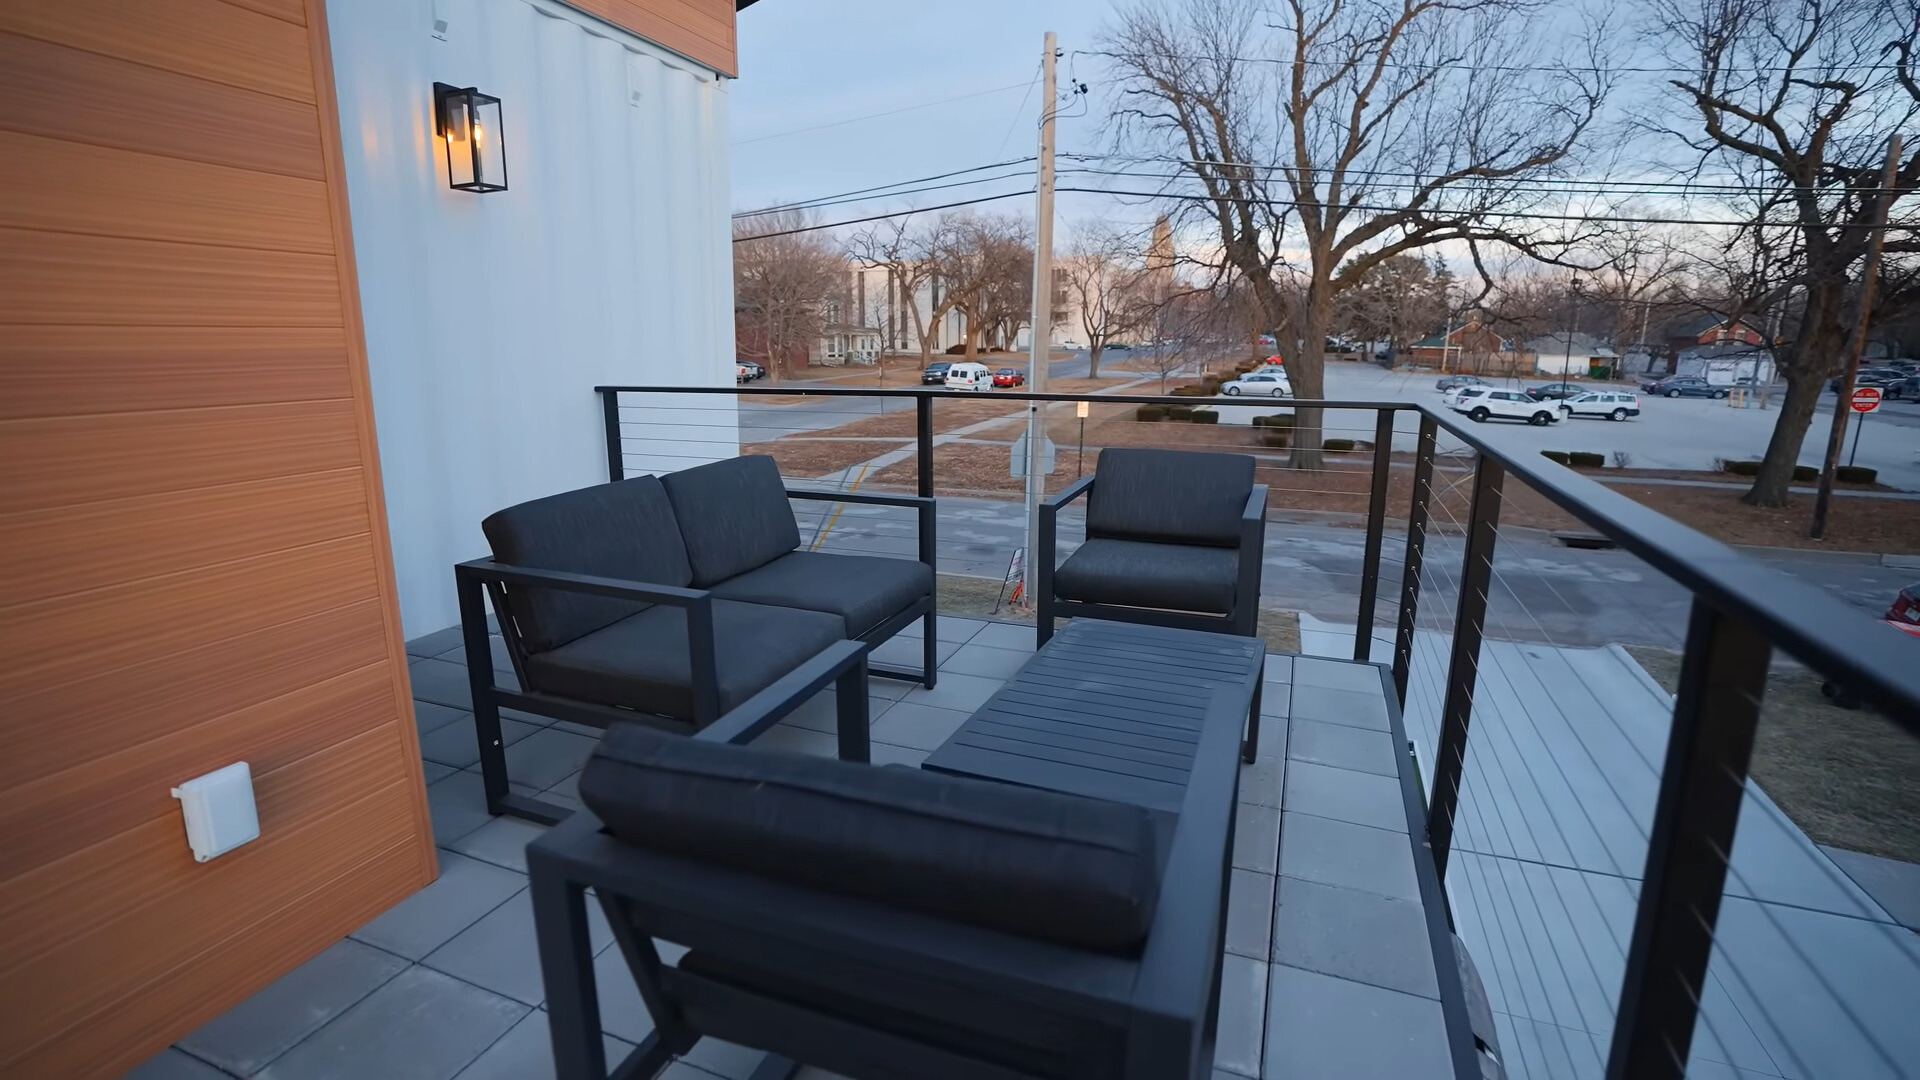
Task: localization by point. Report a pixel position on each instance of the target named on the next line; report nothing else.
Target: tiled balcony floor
(1328, 971)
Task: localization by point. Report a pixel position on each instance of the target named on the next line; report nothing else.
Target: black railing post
(1476, 574)
(1416, 551)
(1722, 677)
(923, 442)
(610, 418)
(1376, 525)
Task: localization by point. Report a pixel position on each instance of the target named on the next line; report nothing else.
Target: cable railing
(1615, 744)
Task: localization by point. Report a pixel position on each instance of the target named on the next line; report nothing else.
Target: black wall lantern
(469, 122)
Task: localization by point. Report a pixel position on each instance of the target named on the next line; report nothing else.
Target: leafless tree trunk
(1350, 132)
(1103, 274)
(781, 283)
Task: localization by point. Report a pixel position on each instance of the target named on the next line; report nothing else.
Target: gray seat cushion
(1174, 577)
(864, 590)
(642, 662)
(620, 530)
(1169, 496)
(734, 516)
(1078, 871)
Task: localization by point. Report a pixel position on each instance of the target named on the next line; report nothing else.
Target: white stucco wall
(490, 318)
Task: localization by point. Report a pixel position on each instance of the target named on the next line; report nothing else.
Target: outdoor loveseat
(1174, 538)
(672, 600)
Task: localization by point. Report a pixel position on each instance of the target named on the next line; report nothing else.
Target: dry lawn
(1846, 777)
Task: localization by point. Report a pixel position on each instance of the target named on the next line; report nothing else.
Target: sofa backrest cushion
(624, 530)
(1076, 871)
(733, 515)
(1169, 496)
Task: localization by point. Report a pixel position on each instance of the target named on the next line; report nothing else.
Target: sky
(809, 63)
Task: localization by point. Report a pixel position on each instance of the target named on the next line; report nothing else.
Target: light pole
(1573, 320)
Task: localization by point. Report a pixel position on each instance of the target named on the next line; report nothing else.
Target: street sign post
(1865, 399)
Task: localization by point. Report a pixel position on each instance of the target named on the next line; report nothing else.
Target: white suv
(1611, 404)
(1482, 403)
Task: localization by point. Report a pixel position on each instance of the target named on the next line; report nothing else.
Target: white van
(967, 375)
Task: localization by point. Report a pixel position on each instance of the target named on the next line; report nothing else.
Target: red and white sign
(1865, 399)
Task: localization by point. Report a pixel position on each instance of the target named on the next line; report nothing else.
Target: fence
(1638, 905)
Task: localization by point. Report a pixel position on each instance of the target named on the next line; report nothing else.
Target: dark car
(1454, 382)
(1882, 377)
(1907, 389)
(936, 373)
(1686, 386)
(1118, 346)
(1554, 391)
(1007, 376)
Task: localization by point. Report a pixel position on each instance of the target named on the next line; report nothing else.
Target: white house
(1570, 354)
(1725, 363)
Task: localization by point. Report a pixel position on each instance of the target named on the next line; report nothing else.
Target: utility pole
(1042, 306)
(1842, 405)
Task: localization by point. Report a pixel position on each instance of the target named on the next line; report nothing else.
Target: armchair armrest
(790, 691)
(923, 505)
(486, 570)
(1253, 552)
(1069, 493)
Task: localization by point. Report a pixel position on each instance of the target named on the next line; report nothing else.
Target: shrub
(1856, 474)
(1277, 420)
(1743, 468)
(1560, 456)
(1179, 412)
(1150, 413)
(1210, 384)
(1277, 438)
(1205, 416)
(1806, 473)
(957, 350)
(1720, 464)
(1338, 446)
(1190, 390)
(1622, 459)
(1580, 459)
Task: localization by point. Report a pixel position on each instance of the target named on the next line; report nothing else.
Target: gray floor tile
(798, 740)
(436, 772)
(987, 662)
(1343, 747)
(1339, 707)
(1318, 1025)
(1273, 737)
(890, 689)
(717, 1057)
(172, 1064)
(430, 717)
(963, 692)
(1000, 635)
(457, 745)
(957, 629)
(458, 805)
(821, 712)
(421, 1025)
(502, 662)
(499, 953)
(1355, 856)
(920, 726)
(567, 788)
(501, 842)
(888, 754)
(441, 682)
(1355, 935)
(1261, 781)
(622, 1013)
(1256, 837)
(1250, 914)
(1276, 698)
(465, 890)
(1345, 795)
(904, 652)
(1893, 884)
(1279, 667)
(1243, 1007)
(526, 1053)
(245, 1038)
(544, 758)
(428, 645)
(1336, 675)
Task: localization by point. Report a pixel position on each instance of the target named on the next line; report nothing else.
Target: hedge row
(1580, 458)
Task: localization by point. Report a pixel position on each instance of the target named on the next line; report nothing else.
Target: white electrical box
(219, 810)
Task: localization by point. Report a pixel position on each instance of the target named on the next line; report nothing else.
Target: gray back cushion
(1169, 496)
(621, 530)
(733, 515)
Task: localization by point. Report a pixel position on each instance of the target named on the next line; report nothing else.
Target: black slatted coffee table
(1110, 710)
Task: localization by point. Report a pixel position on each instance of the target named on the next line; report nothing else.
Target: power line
(883, 217)
(878, 115)
(1017, 113)
(1585, 69)
(855, 196)
(883, 187)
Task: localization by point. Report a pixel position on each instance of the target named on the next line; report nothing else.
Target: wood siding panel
(206, 39)
(63, 186)
(85, 458)
(701, 29)
(59, 370)
(72, 94)
(198, 569)
(77, 280)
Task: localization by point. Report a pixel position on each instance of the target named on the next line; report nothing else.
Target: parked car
(1267, 383)
(1266, 341)
(1452, 382)
(1907, 389)
(1505, 404)
(968, 375)
(1611, 404)
(1555, 391)
(754, 370)
(1072, 345)
(1119, 346)
(1458, 394)
(740, 374)
(1007, 376)
(936, 373)
(1873, 376)
(1686, 386)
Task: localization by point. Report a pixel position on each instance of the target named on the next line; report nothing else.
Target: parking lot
(1670, 433)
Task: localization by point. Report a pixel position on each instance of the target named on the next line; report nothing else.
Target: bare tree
(1354, 131)
(1796, 99)
(1184, 327)
(1105, 281)
(782, 281)
(903, 247)
(977, 260)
